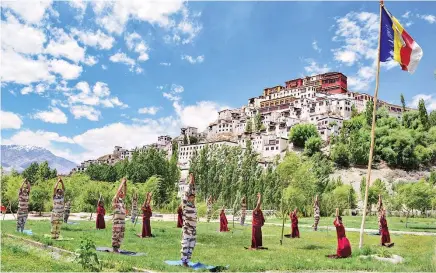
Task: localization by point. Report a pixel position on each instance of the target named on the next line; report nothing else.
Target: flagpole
(371, 151)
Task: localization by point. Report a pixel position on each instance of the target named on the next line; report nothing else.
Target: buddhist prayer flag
(397, 44)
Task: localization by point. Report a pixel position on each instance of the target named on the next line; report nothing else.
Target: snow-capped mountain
(19, 157)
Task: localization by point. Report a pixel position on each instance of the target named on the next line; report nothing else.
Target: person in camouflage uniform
(134, 207)
(316, 213)
(189, 229)
(380, 213)
(209, 209)
(243, 210)
(58, 209)
(119, 223)
(67, 209)
(23, 205)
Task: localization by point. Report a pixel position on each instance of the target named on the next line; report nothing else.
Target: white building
(187, 151)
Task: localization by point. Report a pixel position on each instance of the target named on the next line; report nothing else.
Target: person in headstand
(146, 214)
(379, 213)
(180, 216)
(385, 236)
(23, 205)
(209, 208)
(58, 209)
(344, 247)
(243, 210)
(316, 213)
(223, 221)
(295, 233)
(119, 223)
(67, 209)
(134, 207)
(189, 230)
(101, 212)
(257, 223)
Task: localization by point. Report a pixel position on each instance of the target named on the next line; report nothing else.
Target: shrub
(340, 155)
(300, 133)
(312, 145)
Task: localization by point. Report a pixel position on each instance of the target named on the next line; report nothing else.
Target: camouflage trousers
(188, 244)
(117, 235)
(315, 224)
(55, 228)
(242, 219)
(66, 216)
(209, 214)
(21, 221)
(133, 218)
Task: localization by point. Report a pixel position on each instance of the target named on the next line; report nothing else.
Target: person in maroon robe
(385, 236)
(180, 216)
(257, 223)
(344, 247)
(223, 221)
(295, 233)
(99, 223)
(146, 214)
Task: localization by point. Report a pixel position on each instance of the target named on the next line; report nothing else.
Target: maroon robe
(295, 233)
(256, 229)
(180, 217)
(344, 247)
(99, 223)
(223, 222)
(385, 236)
(146, 228)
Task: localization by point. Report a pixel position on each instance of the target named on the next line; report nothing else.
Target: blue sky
(81, 77)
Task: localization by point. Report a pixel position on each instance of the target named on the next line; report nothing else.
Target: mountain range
(19, 157)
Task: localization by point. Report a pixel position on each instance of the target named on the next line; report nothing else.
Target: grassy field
(214, 248)
(371, 222)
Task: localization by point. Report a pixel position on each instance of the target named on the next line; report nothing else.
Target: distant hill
(19, 157)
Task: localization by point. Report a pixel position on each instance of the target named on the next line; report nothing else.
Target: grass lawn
(214, 248)
(371, 222)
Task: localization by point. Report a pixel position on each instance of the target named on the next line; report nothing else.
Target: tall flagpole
(371, 151)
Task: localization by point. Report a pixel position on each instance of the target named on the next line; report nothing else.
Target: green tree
(31, 172)
(313, 145)
(432, 118)
(300, 133)
(423, 116)
(38, 198)
(185, 139)
(354, 112)
(249, 126)
(368, 112)
(257, 122)
(340, 155)
(403, 102)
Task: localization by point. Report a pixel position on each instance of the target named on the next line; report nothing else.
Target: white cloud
(122, 58)
(91, 61)
(114, 15)
(64, 45)
(347, 57)
(80, 6)
(170, 96)
(193, 60)
(67, 70)
(429, 100)
(313, 68)
(175, 88)
(21, 38)
(198, 115)
(32, 11)
(17, 68)
(135, 43)
(96, 39)
(26, 90)
(406, 15)
(55, 115)
(152, 110)
(429, 18)
(165, 64)
(85, 111)
(10, 120)
(160, 87)
(316, 47)
(103, 67)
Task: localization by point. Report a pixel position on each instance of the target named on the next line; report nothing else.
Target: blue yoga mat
(123, 252)
(27, 232)
(197, 266)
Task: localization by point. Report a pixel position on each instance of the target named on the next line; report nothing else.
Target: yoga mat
(71, 223)
(259, 248)
(27, 232)
(123, 252)
(197, 266)
(58, 239)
